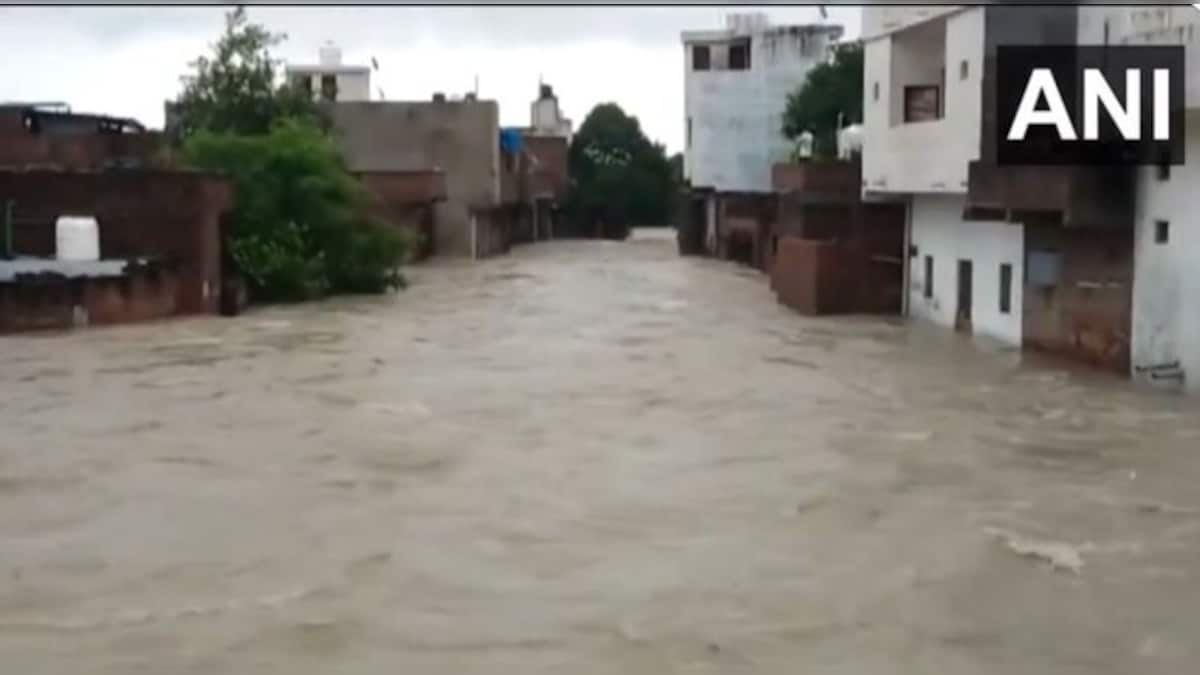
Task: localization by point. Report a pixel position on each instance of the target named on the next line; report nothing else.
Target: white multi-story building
(1090, 261)
(737, 81)
(923, 104)
(1166, 289)
(330, 79)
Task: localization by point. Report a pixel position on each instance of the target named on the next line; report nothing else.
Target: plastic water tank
(77, 238)
(850, 141)
(330, 54)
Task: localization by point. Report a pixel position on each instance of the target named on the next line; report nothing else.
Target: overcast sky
(127, 60)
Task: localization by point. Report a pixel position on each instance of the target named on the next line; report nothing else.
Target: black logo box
(1042, 146)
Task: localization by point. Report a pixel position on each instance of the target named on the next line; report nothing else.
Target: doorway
(962, 320)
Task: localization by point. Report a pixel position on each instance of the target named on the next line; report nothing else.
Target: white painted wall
(545, 118)
(932, 156)
(880, 19)
(1166, 283)
(938, 230)
(1149, 24)
(736, 116)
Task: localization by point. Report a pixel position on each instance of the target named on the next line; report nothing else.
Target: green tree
(832, 90)
(237, 88)
(299, 229)
(677, 168)
(620, 177)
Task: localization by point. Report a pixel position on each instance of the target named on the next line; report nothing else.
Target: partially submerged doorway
(962, 319)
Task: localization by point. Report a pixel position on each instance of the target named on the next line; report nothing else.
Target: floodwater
(585, 457)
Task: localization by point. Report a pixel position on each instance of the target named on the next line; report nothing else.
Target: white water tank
(747, 22)
(77, 238)
(330, 54)
(850, 141)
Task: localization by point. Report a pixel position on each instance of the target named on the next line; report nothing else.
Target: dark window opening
(739, 56)
(921, 103)
(1106, 31)
(876, 92)
(701, 58)
(963, 69)
(689, 132)
(329, 89)
(1162, 231)
(928, 276)
(1005, 288)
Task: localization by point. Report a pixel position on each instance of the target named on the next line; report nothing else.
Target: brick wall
(21, 149)
(406, 199)
(547, 175)
(52, 303)
(827, 277)
(162, 214)
(1087, 314)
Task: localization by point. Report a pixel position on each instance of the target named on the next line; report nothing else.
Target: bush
(300, 228)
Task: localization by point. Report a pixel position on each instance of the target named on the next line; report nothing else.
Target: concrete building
(1165, 324)
(1029, 256)
(736, 83)
(542, 181)
(458, 138)
(545, 117)
(157, 230)
(330, 79)
(832, 252)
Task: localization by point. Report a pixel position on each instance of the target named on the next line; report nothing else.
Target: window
(964, 69)
(928, 276)
(1005, 288)
(875, 93)
(689, 132)
(921, 103)
(739, 55)
(1162, 231)
(329, 89)
(1106, 31)
(701, 59)
(1042, 268)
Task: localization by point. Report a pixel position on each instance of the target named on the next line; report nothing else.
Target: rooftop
(759, 28)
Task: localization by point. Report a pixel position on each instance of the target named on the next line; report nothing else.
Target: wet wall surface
(587, 457)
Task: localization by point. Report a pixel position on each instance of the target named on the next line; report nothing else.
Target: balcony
(921, 157)
(1071, 196)
(818, 181)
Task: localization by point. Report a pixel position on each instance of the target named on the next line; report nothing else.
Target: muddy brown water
(585, 457)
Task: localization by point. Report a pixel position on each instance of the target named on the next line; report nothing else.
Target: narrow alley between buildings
(586, 456)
